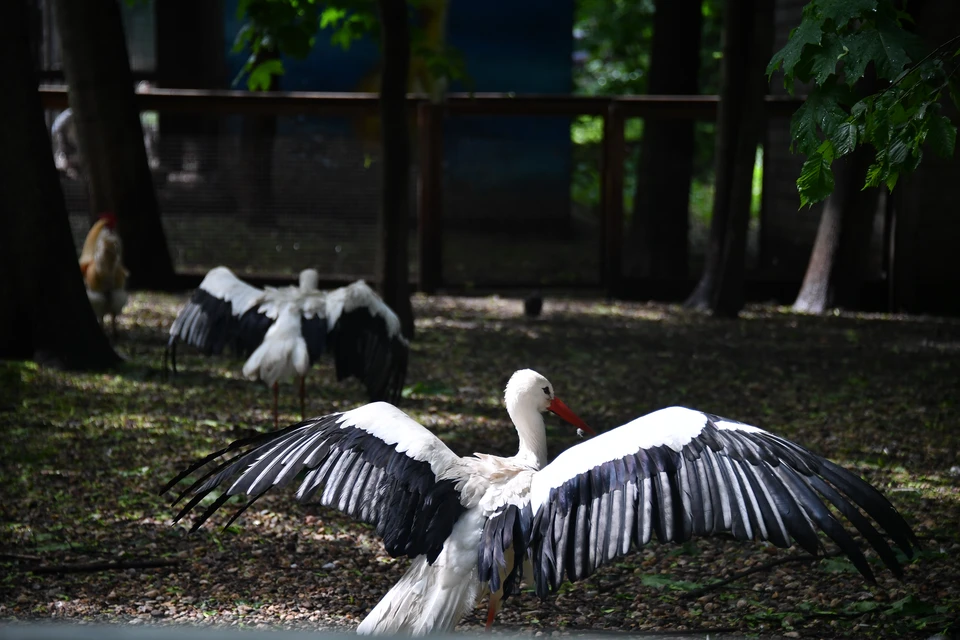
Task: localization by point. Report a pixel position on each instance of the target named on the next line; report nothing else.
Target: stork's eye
(546, 390)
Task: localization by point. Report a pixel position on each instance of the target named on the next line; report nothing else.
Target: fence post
(611, 199)
(430, 195)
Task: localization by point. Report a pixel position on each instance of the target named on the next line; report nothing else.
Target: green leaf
(941, 136)
(243, 38)
(656, 581)
(826, 56)
(822, 110)
(837, 565)
(864, 46)
(261, 75)
(845, 138)
(895, 42)
(843, 11)
(864, 606)
(808, 32)
(877, 127)
(898, 152)
(875, 175)
(910, 606)
(331, 16)
(891, 180)
(816, 177)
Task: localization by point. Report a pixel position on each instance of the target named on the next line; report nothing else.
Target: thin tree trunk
(45, 315)
(747, 40)
(395, 207)
(97, 70)
(838, 260)
(257, 136)
(660, 226)
(190, 55)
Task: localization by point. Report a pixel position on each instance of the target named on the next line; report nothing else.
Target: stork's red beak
(558, 407)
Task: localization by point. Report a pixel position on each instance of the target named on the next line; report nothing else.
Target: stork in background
(104, 276)
(283, 331)
(468, 523)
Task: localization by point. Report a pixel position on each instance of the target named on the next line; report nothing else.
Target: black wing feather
(364, 348)
(414, 512)
(776, 490)
(205, 322)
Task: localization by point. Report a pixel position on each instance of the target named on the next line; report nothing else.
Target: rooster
(101, 263)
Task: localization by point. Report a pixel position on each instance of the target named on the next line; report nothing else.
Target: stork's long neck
(533, 436)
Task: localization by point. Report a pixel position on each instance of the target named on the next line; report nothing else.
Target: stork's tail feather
(421, 602)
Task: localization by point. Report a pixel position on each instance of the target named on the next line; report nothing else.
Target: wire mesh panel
(260, 194)
(279, 195)
(508, 212)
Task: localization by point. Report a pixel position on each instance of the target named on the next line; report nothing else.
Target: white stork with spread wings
(468, 523)
(283, 331)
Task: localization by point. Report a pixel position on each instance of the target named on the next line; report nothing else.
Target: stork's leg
(303, 405)
(491, 614)
(276, 394)
(493, 608)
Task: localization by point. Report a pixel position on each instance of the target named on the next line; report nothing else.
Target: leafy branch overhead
(274, 29)
(838, 44)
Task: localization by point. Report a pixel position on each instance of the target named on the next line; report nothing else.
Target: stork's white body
(284, 330)
(283, 352)
(467, 523)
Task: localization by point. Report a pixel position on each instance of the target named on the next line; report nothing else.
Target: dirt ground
(83, 456)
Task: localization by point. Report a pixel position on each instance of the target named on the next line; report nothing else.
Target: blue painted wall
(509, 166)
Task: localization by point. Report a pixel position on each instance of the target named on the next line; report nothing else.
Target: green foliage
(273, 29)
(277, 28)
(837, 45)
(615, 37)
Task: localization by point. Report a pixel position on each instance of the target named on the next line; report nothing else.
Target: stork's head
(309, 280)
(528, 391)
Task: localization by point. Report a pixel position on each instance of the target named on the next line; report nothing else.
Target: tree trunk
(46, 315)
(190, 55)
(838, 261)
(395, 205)
(747, 40)
(660, 227)
(97, 70)
(257, 136)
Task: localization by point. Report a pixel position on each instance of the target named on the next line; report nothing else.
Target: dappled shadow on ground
(84, 455)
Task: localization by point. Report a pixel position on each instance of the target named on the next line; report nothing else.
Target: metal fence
(315, 202)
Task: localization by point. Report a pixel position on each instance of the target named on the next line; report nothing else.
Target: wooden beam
(698, 107)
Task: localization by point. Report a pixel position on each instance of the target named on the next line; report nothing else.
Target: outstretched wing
(222, 311)
(679, 473)
(366, 340)
(373, 463)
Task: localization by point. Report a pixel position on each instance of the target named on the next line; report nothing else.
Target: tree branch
(89, 567)
(911, 68)
(696, 593)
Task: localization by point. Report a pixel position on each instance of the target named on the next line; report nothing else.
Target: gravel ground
(84, 455)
